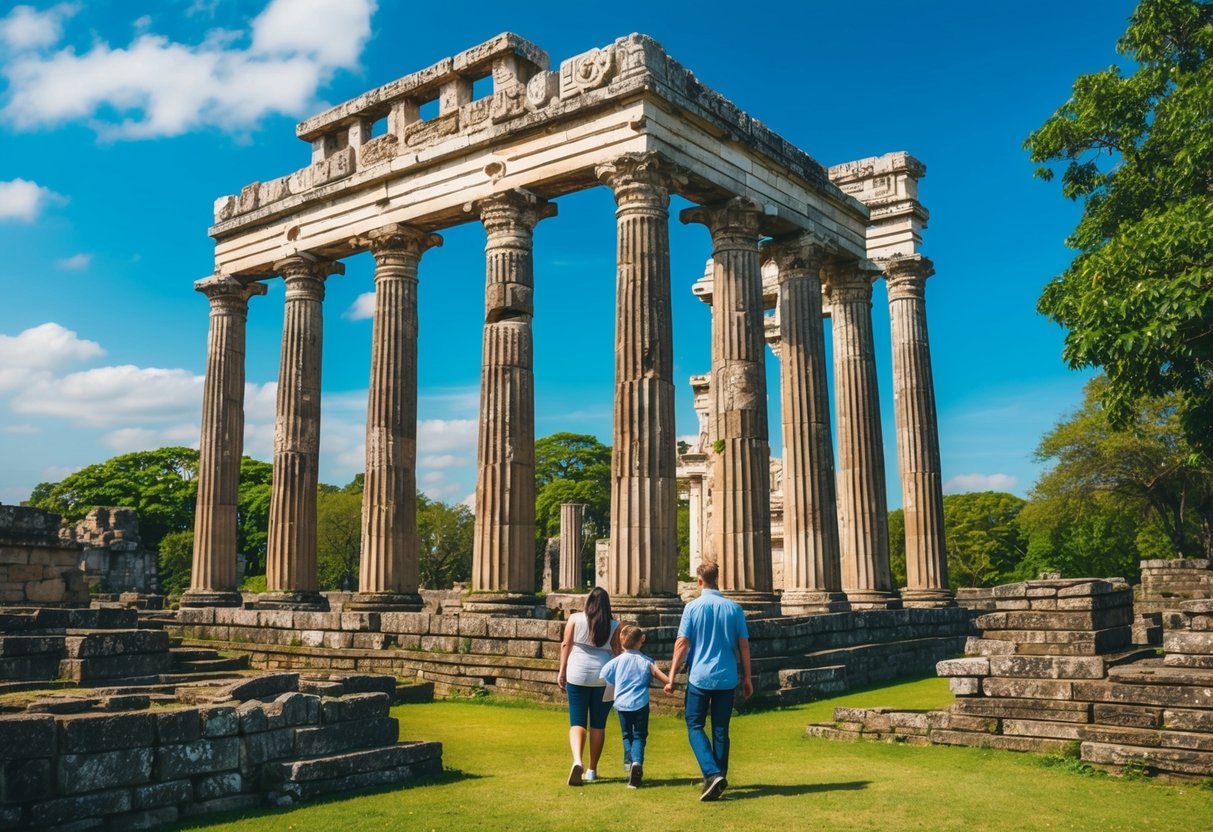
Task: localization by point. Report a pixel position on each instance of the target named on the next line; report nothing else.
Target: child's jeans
(634, 725)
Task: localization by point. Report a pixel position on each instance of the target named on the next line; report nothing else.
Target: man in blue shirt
(713, 632)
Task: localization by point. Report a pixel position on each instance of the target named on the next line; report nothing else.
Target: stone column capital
(797, 255)
(732, 223)
(511, 212)
(224, 289)
(848, 281)
(398, 238)
(907, 276)
(641, 180)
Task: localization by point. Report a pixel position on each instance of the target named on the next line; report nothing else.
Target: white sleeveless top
(586, 659)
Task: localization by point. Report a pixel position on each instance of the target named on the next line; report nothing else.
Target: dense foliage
(1137, 150)
(572, 468)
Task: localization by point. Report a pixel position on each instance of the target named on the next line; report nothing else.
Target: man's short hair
(709, 573)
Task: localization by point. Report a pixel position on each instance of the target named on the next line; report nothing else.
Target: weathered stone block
(79, 773)
(162, 794)
(199, 757)
(1166, 695)
(1048, 667)
(219, 785)
(947, 720)
(355, 706)
(126, 666)
(1178, 719)
(65, 809)
(263, 687)
(1195, 643)
(503, 628)
(963, 667)
(441, 644)
(524, 648)
(369, 641)
(1047, 709)
(1037, 728)
(321, 687)
(26, 779)
(340, 641)
(276, 619)
(1174, 760)
(143, 819)
(369, 683)
(988, 647)
(362, 622)
(114, 643)
(265, 746)
(415, 623)
(964, 685)
(473, 626)
(1027, 688)
(27, 736)
(346, 736)
(1128, 716)
(103, 732)
(220, 721)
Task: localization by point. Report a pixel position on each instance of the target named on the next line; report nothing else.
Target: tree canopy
(982, 536)
(572, 468)
(1137, 150)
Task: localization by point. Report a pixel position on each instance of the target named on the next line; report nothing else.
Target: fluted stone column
(811, 569)
(740, 450)
(388, 569)
(290, 558)
(503, 554)
(213, 580)
(572, 528)
(863, 523)
(644, 495)
(917, 434)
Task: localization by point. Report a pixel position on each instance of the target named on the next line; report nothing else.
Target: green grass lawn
(507, 763)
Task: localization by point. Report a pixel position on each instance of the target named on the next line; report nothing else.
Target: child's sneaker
(635, 776)
(627, 767)
(590, 775)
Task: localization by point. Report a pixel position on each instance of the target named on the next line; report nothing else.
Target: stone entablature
(541, 130)
(888, 185)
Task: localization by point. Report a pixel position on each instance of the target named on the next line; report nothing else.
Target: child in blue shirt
(631, 672)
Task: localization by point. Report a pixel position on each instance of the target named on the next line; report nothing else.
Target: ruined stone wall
(87, 646)
(273, 740)
(1165, 584)
(1055, 671)
(112, 551)
(36, 568)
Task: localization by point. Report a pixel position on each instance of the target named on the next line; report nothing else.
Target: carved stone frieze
(587, 71)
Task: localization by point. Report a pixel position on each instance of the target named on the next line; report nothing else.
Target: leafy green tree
(1094, 535)
(1137, 150)
(160, 484)
(253, 512)
(444, 538)
(572, 468)
(897, 547)
(338, 535)
(982, 535)
(175, 560)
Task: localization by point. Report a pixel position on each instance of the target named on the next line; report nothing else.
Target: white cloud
(438, 435)
(30, 355)
(443, 461)
(23, 200)
(362, 308)
(111, 396)
(963, 483)
(76, 262)
(126, 440)
(20, 429)
(157, 87)
(27, 28)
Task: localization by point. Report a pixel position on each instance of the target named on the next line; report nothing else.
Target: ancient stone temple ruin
(385, 179)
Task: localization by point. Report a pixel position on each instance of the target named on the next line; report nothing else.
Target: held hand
(747, 688)
(669, 686)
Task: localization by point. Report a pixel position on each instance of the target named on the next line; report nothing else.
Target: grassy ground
(507, 763)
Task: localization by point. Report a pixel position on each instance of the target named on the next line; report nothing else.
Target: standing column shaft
(741, 498)
(290, 560)
(213, 579)
(572, 526)
(863, 523)
(812, 574)
(917, 434)
(388, 567)
(503, 555)
(644, 493)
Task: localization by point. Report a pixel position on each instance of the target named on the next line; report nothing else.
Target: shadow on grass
(752, 790)
(444, 778)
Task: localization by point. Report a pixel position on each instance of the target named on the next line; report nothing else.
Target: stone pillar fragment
(503, 554)
(644, 493)
(741, 498)
(388, 566)
(213, 579)
(917, 434)
(290, 559)
(811, 570)
(863, 523)
(572, 528)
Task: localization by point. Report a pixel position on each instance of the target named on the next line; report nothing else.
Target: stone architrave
(290, 558)
(213, 579)
(812, 578)
(644, 492)
(503, 554)
(917, 434)
(572, 528)
(740, 450)
(863, 524)
(388, 567)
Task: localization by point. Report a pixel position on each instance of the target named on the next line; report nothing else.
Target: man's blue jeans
(711, 754)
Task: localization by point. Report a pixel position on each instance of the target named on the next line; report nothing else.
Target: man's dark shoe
(713, 787)
(635, 775)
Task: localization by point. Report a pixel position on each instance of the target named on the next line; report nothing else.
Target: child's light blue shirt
(630, 672)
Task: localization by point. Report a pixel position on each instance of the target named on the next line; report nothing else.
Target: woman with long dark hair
(591, 638)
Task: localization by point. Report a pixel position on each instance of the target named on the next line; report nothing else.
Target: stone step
(324, 774)
(199, 676)
(829, 676)
(209, 665)
(193, 654)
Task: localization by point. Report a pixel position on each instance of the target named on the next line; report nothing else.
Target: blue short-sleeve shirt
(630, 672)
(713, 624)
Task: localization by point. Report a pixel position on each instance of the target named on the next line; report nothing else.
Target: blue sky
(122, 121)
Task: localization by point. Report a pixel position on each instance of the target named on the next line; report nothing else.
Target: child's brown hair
(631, 636)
